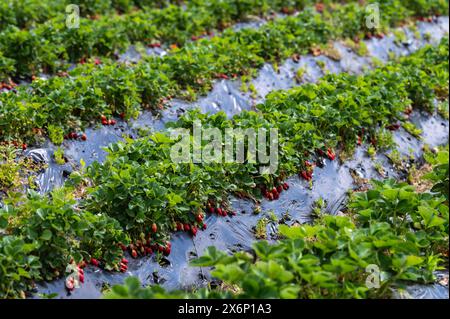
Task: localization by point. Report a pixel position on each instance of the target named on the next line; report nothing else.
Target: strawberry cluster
(106, 121)
(76, 136)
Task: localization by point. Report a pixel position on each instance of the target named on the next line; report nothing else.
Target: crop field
(224, 149)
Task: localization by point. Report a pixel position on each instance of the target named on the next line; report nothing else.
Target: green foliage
(112, 89)
(440, 174)
(329, 258)
(50, 232)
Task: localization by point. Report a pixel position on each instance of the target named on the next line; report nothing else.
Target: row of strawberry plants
(25, 14)
(139, 184)
(139, 195)
(391, 229)
(67, 103)
(47, 46)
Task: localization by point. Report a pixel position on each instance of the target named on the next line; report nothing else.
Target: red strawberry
(124, 261)
(320, 7)
(270, 196)
(179, 227)
(187, 227)
(359, 141)
(279, 189)
(97, 61)
(167, 251)
(122, 269)
(134, 253)
(148, 251)
(219, 211)
(330, 154)
(103, 118)
(24, 146)
(122, 115)
(84, 137)
(199, 218)
(154, 228)
(94, 262)
(160, 248)
(286, 186)
(194, 231)
(105, 122)
(81, 278)
(305, 175)
(211, 210)
(204, 226)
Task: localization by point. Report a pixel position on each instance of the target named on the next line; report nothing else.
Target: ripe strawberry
(94, 262)
(122, 269)
(84, 137)
(81, 278)
(204, 226)
(97, 61)
(224, 213)
(104, 122)
(330, 154)
(359, 140)
(82, 264)
(103, 118)
(148, 251)
(270, 197)
(305, 176)
(194, 231)
(187, 227)
(167, 251)
(219, 211)
(124, 248)
(124, 261)
(160, 248)
(320, 7)
(154, 228)
(211, 210)
(279, 189)
(199, 218)
(179, 227)
(122, 115)
(276, 196)
(285, 186)
(24, 146)
(134, 253)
